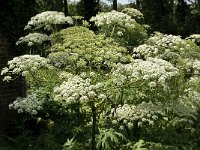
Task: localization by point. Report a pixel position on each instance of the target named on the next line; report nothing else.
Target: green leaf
(108, 139)
(139, 145)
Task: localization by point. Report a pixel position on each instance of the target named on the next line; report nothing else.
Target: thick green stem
(113, 31)
(94, 121)
(122, 94)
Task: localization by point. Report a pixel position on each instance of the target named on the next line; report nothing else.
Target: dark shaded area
(179, 17)
(14, 15)
(9, 91)
(88, 8)
(115, 4)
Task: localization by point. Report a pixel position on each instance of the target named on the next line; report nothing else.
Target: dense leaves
(78, 48)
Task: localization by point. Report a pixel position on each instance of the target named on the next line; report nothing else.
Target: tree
(157, 14)
(181, 10)
(115, 5)
(56, 5)
(66, 11)
(13, 16)
(104, 7)
(88, 8)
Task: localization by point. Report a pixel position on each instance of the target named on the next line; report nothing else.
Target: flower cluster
(165, 40)
(80, 47)
(144, 51)
(46, 19)
(193, 83)
(194, 97)
(120, 26)
(126, 115)
(33, 38)
(172, 48)
(134, 13)
(31, 104)
(23, 65)
(112, 18)
(151, 70)
(194, 37)
(77, 89)
(192, 92)
(170, 45)
(191, 66)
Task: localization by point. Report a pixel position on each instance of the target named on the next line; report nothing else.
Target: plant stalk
(94, 120)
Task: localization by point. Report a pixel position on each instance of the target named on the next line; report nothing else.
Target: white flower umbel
(194, 37)
(153, 69)
(192, 92)
(81, 45)
(112, 18)
(136, 14)
(172, 47)
(78, 90)
(120, 26)
(166, 41)
(33, 38)
(144, 113)
(46, 19)
(145, 51)
(24, 64)
(191, 66)
(31, 104)
(194, 97)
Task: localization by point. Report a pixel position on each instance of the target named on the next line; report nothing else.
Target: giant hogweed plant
(121, 26)
(95, 94)
(37, 42)
(79, 49)
(47, 22)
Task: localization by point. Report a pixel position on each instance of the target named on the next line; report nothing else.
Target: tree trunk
(115, 5)
(66, 8)
(89, 8)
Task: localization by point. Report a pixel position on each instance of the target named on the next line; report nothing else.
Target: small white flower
(84, 98)
(7, 78)
(34, 112)
(20, 111)
(91, 94)
(120, 33)
(31, 104)
(102, 96)
(152, 84)
(121, 127)
(4, 71)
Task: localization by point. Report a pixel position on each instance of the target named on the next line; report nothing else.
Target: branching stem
(94, 121)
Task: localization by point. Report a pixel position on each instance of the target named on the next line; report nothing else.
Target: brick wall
(8, 90)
